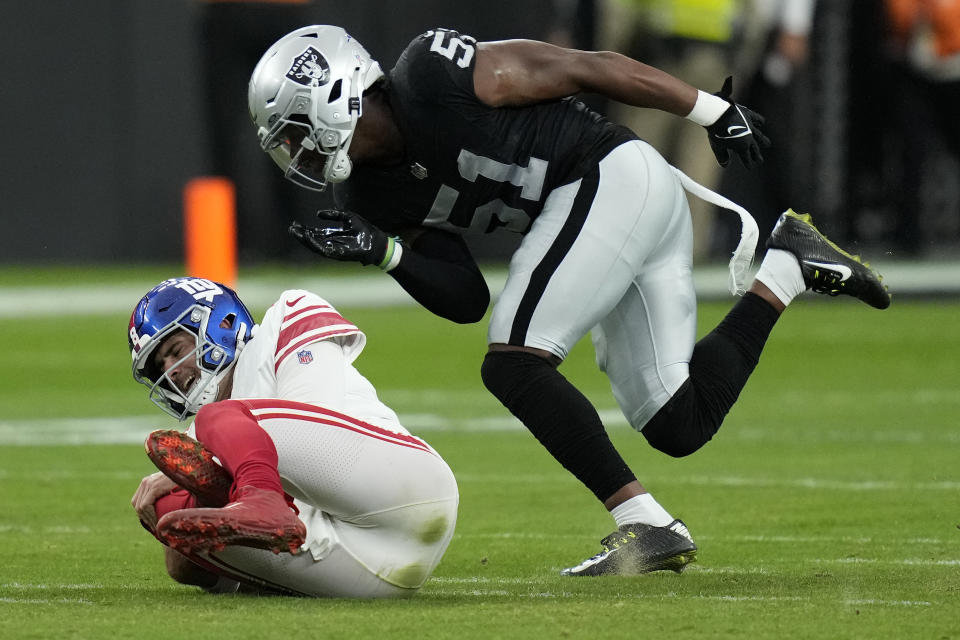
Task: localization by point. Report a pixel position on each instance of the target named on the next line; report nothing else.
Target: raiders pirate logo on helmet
(310, 69)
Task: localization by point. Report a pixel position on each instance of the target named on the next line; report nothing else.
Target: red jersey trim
(272, 409)
(319, 323)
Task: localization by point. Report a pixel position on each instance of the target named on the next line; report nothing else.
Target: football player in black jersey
(470, 136)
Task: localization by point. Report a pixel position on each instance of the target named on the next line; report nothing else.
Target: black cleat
(637, 548)
(826, 267)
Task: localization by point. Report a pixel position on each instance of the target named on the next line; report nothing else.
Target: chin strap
(242, 331)
(338, 167)
(742, 258)
(212, 389)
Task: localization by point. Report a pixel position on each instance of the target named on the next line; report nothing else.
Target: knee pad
(506, 374)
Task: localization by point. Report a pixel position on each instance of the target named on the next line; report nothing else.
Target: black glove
(342, 235)
(737, 130)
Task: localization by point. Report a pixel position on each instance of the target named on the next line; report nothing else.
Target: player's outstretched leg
(637, 548)
(258, 518)
(189, 464)
(826, 267)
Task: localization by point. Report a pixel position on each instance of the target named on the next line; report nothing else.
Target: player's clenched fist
(342, 235)
(737, 130)
(151, 488)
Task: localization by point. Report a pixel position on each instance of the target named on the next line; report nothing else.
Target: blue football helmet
(220, 323)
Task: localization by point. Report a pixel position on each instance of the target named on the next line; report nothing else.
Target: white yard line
(891, 603)
(43, 601)
(43, 586)
(483, 587)
(129, 429)
(816, 483)
(906, 562)
(133, 430)
(722, 598)
(111, 298)
(57, 530)
(376, 290)
(818, 540)
(819, 484)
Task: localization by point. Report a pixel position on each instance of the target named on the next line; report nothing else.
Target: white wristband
(395, 252)
(707, 109)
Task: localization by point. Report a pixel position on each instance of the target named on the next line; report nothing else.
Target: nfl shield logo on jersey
(305, 356)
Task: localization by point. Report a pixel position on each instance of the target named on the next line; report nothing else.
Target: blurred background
(112, 106)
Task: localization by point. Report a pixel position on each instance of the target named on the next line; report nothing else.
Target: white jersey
(281, 361)
(379, 504)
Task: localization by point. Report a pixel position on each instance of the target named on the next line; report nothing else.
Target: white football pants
(380, 507)
(625, 274)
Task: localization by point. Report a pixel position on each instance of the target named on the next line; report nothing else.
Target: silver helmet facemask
(312, 157)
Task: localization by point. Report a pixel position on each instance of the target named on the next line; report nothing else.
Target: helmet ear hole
(335, 91)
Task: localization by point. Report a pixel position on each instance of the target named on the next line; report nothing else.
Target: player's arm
(520, 72)
(321, 380)
(435, 267)
(439, 272)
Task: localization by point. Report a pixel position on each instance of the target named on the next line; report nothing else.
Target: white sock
(780, 271)
(642, 508)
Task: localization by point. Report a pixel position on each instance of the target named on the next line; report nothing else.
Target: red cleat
(190, 465)
(258, 518)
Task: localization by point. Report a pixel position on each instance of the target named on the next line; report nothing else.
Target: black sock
(720, 367)
(559, 416)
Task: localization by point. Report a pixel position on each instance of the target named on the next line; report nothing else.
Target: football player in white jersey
(293, 477)
(466, 136)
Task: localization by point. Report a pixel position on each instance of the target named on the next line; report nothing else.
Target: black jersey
(469, 166)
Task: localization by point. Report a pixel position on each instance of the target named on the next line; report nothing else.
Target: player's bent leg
(383, 555)
(395, 526)
(721, 364)
(257, 518)
(339, 574)
(724, 359)
(186, 571)
(645, 341)
(197, 570)
(571, 430)
(401, 546)
(559, 416)
(259, 514)
(181, 569)
(230, 432)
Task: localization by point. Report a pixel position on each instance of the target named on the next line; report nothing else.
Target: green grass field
(828, 506)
